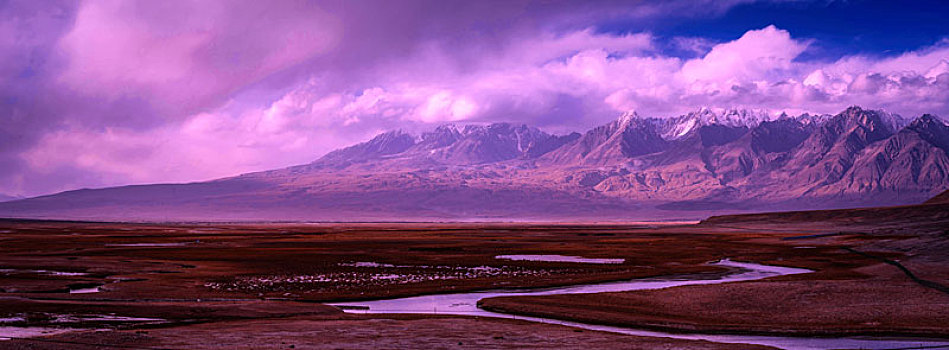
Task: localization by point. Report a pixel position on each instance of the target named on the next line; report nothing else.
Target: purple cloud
(112, 92)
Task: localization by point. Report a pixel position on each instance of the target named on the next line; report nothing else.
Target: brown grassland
(262, 285)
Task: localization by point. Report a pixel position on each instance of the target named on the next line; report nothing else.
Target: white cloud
(564, 82)
(758, 54)
(187, 54)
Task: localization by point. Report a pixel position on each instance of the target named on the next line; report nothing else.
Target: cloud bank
(114, 92)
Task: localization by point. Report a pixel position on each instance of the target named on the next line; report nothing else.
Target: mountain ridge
(623, 169)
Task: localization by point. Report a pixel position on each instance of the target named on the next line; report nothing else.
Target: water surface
(467, 304)
(560, 258)
(85, 290)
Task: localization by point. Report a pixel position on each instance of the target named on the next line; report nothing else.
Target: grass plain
(262, 285)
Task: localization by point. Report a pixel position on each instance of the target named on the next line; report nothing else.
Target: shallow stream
(467, 304)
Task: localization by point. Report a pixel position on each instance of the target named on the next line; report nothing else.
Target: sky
(115, 92)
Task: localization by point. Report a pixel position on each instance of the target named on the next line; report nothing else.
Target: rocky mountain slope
(610, 144)
(705, 162)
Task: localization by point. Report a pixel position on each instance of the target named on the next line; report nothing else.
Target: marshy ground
(113, 285)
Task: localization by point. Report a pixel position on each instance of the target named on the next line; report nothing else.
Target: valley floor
(148, 286)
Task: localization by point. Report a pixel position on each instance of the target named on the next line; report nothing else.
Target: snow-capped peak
(626, 118)
(678, 127)
(744, 117)
(811, 119)
(892, 120)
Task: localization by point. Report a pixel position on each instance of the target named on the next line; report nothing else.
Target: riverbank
(803, 308)
(901, 293)
(159, 278)
(383, 332)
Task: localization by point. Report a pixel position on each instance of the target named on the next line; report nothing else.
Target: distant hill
(942, 198)
(706, 162)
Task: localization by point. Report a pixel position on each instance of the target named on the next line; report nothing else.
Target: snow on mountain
(893, 121)
(678, 127)
(609, 144)
(711, 158)
(808, 119)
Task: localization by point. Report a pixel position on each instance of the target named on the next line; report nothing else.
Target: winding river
(466, 304)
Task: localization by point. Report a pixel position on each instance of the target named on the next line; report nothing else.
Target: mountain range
(710, 161)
